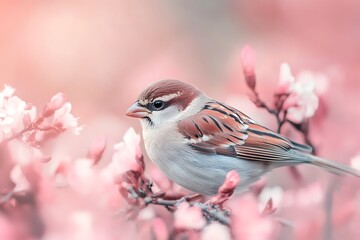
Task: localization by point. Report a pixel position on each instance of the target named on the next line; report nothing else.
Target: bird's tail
(334, 167)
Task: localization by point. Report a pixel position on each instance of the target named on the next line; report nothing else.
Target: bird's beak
(137, 111)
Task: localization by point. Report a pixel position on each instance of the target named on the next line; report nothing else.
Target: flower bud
(286, 80)
(248, 64)
(231, 181)
(56, 102)
(97, 149)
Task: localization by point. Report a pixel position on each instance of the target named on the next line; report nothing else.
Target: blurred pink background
(101, 54)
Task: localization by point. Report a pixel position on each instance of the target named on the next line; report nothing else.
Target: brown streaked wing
(221, 129)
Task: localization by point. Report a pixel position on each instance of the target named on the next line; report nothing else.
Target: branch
(212, 212)
(137, 190)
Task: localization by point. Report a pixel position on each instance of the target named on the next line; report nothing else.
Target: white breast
(197, 172)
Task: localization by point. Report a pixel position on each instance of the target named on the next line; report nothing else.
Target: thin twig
(210, 211)
(214, 213)
(6, 197)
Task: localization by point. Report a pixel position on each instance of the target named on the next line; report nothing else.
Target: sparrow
(196, 140)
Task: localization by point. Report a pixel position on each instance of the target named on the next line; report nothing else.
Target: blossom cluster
(297, 96)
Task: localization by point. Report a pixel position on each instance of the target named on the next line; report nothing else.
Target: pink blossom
(147, 214)
(97, 149)
(187, 217)
(7, 92)
(248, 59)
(215, 231)
(247, 223)
(83, 177)
(159, 229)
(307, 103)
(291, 101)
(305, 207)
(13, 110)
(227, 188)
(321, 83)
(152, 227)
(305, 108)
(8, 230)
(161, 181)
(23, 154)
(64, 119)
(18, 178)
(303, 91)
(355, 162)
(286, 80)
(270, 193)
(308, 196)
(18, 117)
(124, 158)
(83, 225)
(56, 102)
(231, 181)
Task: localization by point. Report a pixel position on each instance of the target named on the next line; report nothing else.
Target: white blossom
(303, 91)
(188, 217)
(286, 79)
(216, 231)
(355, 162)
(65, 119)
(124, 158)
(274, 193)
(13, 111)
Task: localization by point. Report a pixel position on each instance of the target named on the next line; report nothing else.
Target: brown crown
(186, 92)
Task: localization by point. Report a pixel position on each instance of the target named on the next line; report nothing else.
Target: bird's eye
(158, 105)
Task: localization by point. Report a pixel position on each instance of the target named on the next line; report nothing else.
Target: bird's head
(166, 101)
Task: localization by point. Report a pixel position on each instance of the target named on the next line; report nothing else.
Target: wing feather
(221, 129)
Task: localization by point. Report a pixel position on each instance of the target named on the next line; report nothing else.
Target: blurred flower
(321, 81)
(215, 231)
(82, 176)
(82, 169)
(65, 120)
(247, 223)
(227, 188)
(83, 225)
(304, 92)
(7, 92)
(355, 162)
(248, 59)
(161, 181)
(159, 229)
(23, 154)
(274, 193)
(124, 158)
(13, 110)
(307, 196)
(286, 80)
(55, 118)
(307, 100)
(18, 178)
(97, 149)
(146, 214)
(8, 230)
(56, 102)
(187, 217)
(231, 181)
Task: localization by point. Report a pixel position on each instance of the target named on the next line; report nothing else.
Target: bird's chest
(181, 163)
(162, 145)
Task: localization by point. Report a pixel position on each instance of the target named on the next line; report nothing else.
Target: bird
(196, 140)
